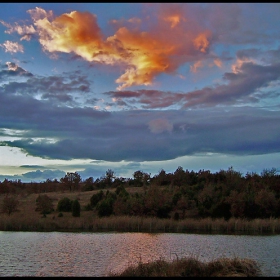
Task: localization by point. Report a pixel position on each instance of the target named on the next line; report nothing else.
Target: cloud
(174, 35)
(12, 47)
(196, 65)
(142, 55)
(166, 124)
(24, 30)
(136, 135)
(39, 175)
(173, 14)
(35, 176)
(59, 88)
(150, 99)
(243, 85)
(160, 125)
(11, 69)
(31, 166)
(140, 135)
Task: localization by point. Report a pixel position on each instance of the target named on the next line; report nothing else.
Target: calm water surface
(98, 254)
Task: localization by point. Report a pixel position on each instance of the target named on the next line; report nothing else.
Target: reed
(89, 222)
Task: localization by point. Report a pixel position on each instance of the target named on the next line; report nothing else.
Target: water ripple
(97, 254)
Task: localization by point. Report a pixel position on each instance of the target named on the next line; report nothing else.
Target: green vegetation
(191, 267)
(183, 201)
(76, 208)
(64, 205)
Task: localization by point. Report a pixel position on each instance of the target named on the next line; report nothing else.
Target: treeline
(179, 195)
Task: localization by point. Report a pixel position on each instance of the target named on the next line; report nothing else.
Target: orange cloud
(74, 32)
(172, 13)
(201, 42)
(196, 65)
(174, 20)
(144, 55)
(147, 55)
(135, 20)
(218, 62)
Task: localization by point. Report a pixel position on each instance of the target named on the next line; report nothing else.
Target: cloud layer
(227, 66)
(68, 132)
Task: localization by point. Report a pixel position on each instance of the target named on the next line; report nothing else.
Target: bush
(44, 204)
(105, 207)
(76, 208)
(96, 198)
(60, 215)
(64, 205)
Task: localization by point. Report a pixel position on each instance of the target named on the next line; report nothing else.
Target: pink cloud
(160, 125)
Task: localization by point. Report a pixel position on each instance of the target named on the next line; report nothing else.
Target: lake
(97, 254)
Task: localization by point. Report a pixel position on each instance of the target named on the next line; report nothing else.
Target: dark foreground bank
(191, 267)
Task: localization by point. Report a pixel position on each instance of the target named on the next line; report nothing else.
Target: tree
(120, 206)
(161, 179)
(157, 202)
(104, 208)
(141, 178)
(71, 180)
(88, 184)
(44, 204)
(10, 204)
(76, 208)
(96, 198)
(7, 187)
(121, 191)
(64, 205)
(267, 203)
(110, 175)
(179, 176)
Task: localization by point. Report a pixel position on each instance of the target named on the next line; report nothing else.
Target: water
(98, 254)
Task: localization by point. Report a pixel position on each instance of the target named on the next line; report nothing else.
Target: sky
(87, 87)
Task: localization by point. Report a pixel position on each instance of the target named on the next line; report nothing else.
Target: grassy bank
(27, 219)
(191, 267)
(88, 222)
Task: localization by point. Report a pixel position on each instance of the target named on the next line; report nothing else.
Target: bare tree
(71, 180)
(10, 204)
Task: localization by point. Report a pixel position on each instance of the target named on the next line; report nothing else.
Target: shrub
(105, 207)
(64, 205)
(60, 215)
(96, 198)
(76, 208)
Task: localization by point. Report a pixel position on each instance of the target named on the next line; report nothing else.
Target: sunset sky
(89, 87)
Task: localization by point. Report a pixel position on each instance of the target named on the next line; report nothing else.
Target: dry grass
(28, 201)
(192, 267)
(28, 219)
